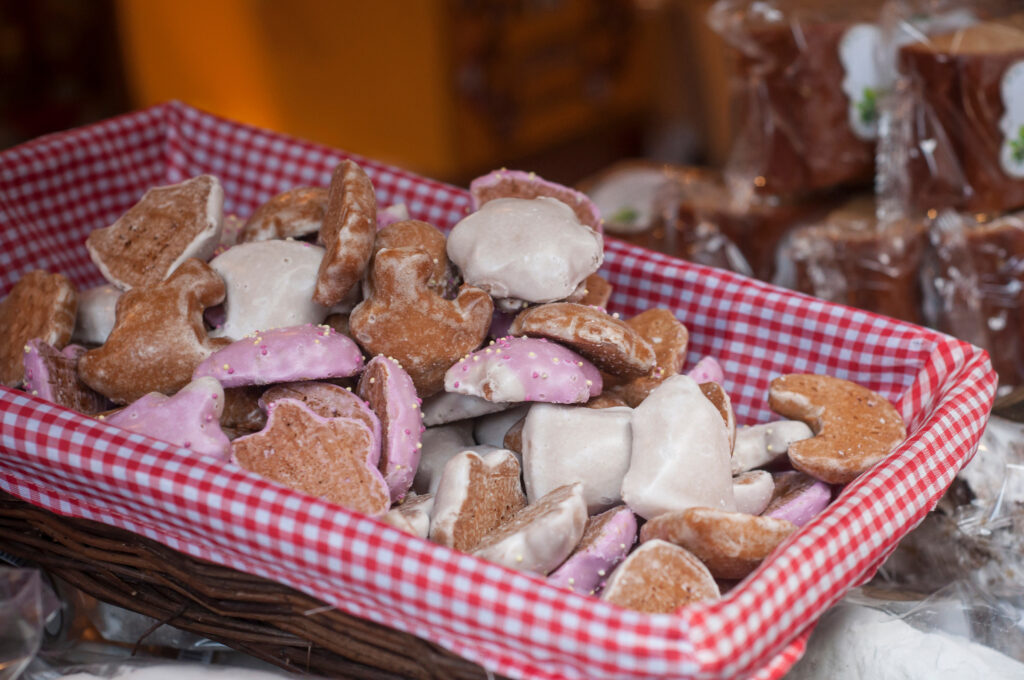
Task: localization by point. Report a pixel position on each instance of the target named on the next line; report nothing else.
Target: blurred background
(446, 88)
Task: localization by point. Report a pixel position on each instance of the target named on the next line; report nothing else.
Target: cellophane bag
(853, 258)
(953, 124)
(805, 92)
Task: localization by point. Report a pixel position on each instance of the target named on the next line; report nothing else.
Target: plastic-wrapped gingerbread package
(974, 286)
(851, 257)
(807, 89)
(953, 128)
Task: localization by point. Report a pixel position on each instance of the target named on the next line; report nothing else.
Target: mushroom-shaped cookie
(158, 338)
(190, 418)
(541, 535)
(349, 227)
(731, 544)
(404, 319)
(607, 539)
(329, 458)
(169, 225)
(390, 393)
(269, 284)
(305, 352)
(526, 250)
(40, 305)
(295, 213)
(525, 369)
(854, 427)
(53, 375)
(659, 578)
(609, 343)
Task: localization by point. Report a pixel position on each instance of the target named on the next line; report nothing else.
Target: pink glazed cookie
(305, 352)
(525, 369)
(391, 394)
(607, 539)
(53, 375)
(190, 418)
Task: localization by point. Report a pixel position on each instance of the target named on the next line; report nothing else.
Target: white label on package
(1012, 123)
(858, 53)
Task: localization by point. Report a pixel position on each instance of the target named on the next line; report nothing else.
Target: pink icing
(190, 418)
(404, 425)
(525, 369)
(287, 354)
(586, 571)
(707, 370)
(37, 373)
(806, 506)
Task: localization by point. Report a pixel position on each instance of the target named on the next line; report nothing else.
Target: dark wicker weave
(248, 613)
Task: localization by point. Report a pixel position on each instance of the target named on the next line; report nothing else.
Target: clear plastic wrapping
(953, 130)
(974, 286)
(26, 604)
(852, 258)
(806, 92)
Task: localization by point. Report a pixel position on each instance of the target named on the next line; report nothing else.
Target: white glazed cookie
(269, 285)
(759, 445)
(567, 444)
(678, 462)
(97, 309)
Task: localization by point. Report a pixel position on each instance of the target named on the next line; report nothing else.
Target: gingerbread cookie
(406, 320)
(242, 412)
(659, 578)
(420, 236)
(753, 491)
(327, 401)
(53, 375)
(730, 544)
(607, 539)
(391, 214)
(760, 445)
(269, 285)
(525, 250)
(412, 515)
(678, 462)
(449, 407)
(475, 496)
(158, 339)
(518, 184)
(566, 444)
(540, 536)
(168, 226)
(797, 498)
(390, 393)
(491, 429)
(719, 398)
(669, 339)
(609, 343)
(40, 305)
(596, 292)
(97, 311)
(525, 369)
(295, 213)
(854, 427)
(284, 355)
(441, 444)
(349, 228)
(190, 418)
(330, 458)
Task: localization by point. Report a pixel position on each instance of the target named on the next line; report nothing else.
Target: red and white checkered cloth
(55, 190)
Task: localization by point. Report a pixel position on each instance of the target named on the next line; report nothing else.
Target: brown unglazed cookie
(608, 342)
(717, 395)
(158, 338)
(596, 292)
(513, 440)
(731, 544)
(421, 236)
(854, 427)
(292, 214)
(659, 577)
(348, 230)
(168, 226)
(669, 339)
(329, 458)
(326, 400)
(476, 496)
(404, 319)
(242, 409)
(41, 305)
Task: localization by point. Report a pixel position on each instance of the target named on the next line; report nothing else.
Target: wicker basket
(251, 614)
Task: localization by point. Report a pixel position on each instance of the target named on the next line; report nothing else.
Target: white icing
(269, 285)
(448, 407)
(96, 314)
(530, 249)
(452, 490)
(567, 444)
(680, 452)
(1012, 122)
(206, 241)
(491, 429)
(439, 445)
(752, 491)
(759, 445)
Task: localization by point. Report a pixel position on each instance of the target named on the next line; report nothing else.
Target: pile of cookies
(471, 390)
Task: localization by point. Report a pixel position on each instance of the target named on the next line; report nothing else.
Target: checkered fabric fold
(55, 190)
